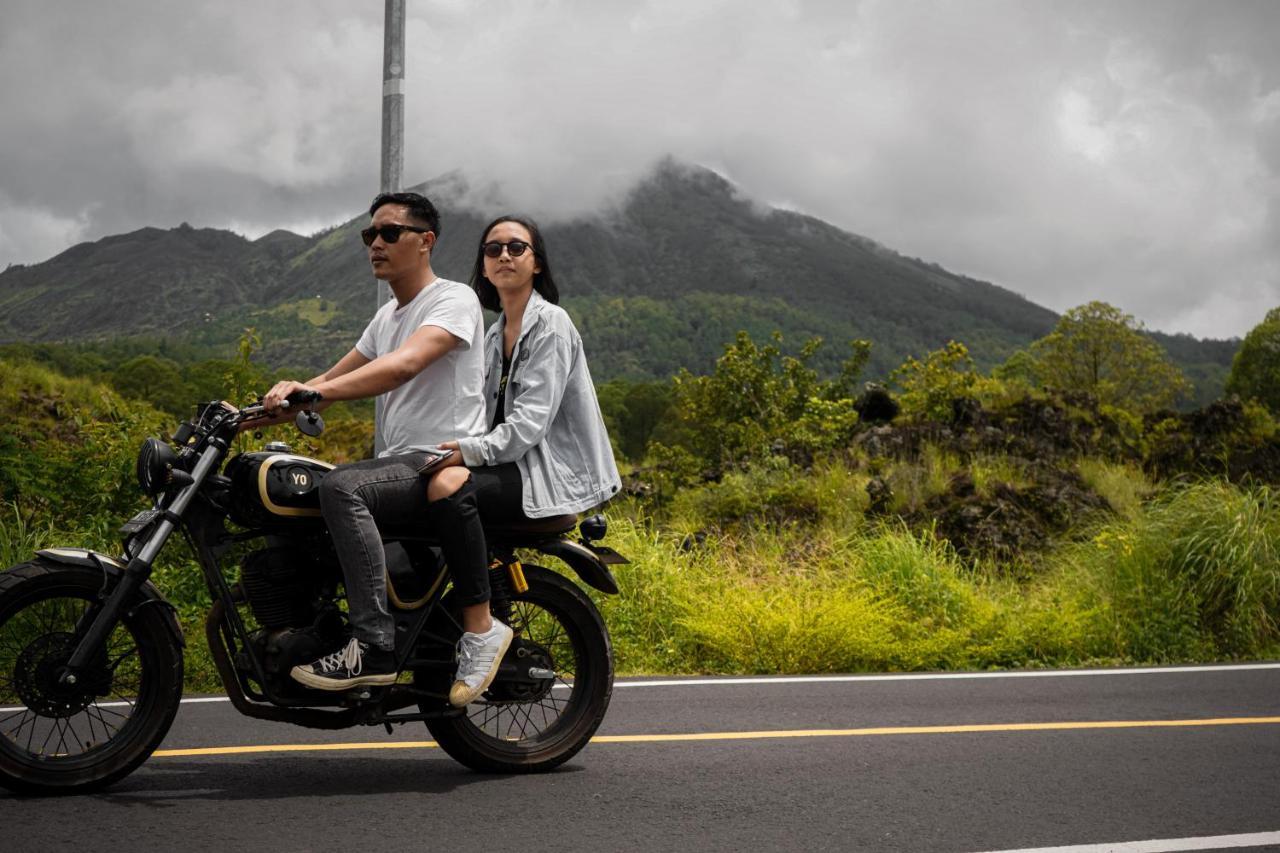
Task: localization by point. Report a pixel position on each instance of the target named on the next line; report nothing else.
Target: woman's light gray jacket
(553, 429)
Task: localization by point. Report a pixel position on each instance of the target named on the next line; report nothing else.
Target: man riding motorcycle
(421, 358)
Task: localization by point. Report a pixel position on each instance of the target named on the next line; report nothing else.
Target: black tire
(513, 728)
(77, 741)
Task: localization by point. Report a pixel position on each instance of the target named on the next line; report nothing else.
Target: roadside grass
(20, 536)
(1195, 576)
(789, 600)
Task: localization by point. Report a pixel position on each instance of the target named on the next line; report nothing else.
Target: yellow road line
(761, 735)
(295, 747)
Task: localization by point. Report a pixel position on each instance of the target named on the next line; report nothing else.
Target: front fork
(139, 568)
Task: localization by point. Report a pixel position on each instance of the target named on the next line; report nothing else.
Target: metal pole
(392, 110)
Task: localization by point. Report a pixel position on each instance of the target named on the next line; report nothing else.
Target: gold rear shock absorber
(501, 583)
(518, 583)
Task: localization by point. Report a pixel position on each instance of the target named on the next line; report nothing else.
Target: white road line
(1161, 845)
(840, 679)
(942, 676)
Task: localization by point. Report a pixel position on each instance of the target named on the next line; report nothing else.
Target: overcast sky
(1125, 151)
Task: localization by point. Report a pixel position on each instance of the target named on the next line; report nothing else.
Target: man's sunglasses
(388, 233)
(494, 249)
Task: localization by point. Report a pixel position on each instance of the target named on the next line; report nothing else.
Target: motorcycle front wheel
(59, 739)
(531, 725)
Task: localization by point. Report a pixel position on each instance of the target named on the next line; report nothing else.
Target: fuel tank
(270, 488)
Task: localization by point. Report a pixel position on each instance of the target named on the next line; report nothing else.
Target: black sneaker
(356, 664)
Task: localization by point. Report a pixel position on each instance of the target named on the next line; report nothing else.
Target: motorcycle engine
(281, 649)
(284, 589)
(280, 587)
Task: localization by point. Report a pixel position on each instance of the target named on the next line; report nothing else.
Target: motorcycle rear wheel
(515, 728)
(56, 739)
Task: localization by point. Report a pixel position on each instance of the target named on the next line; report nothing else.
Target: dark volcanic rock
(1214, 440)
(1010, 521)
(876, 405)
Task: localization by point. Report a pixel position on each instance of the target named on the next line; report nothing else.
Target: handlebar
(254, 411)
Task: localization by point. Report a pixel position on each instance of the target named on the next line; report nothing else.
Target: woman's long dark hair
(542, 281)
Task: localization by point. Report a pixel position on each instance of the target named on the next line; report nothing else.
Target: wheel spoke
(16, 713)
(45, 746)
(95, 712)
(21, 723)
(63, 725)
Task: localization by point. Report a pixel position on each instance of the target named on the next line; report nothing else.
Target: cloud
(1126, 151)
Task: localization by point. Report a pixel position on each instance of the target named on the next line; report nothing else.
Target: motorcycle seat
(550, 526)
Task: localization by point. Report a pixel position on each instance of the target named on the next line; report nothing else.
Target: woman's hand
(454, 458)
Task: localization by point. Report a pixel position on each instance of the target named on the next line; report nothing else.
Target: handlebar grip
(303, 397)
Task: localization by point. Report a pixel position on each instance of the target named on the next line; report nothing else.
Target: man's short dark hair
(419, 207)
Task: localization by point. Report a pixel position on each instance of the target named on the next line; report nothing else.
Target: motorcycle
(91, 653)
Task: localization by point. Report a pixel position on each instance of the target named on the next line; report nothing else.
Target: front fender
(151, 597)
(581, 560)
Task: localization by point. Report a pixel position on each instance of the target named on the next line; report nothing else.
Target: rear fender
(579, 558)
(114, 569)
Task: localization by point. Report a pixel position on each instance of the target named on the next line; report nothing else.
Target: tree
(930, 386)
(633, 411)
(1099, 349)
(155, 380)
(758, 402)
(1255, 370)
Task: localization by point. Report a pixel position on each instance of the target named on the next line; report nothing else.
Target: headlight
(154, 461)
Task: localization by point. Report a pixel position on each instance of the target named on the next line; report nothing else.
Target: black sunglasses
(388, 233)
(494, 249)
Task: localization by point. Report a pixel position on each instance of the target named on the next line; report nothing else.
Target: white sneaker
(478, 658)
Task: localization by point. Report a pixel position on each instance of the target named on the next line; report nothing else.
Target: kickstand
(388, 725)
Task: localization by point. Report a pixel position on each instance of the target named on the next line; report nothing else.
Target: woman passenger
(546, 453)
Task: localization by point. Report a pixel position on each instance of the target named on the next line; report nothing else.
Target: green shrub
(772, 491)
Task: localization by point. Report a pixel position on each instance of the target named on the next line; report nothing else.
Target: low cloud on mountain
(1127, 151)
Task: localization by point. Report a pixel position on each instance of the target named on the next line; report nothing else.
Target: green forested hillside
(659, 283)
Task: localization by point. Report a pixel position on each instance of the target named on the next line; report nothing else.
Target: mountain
(658, 282)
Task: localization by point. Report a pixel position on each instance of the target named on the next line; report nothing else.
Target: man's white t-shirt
(445, 401)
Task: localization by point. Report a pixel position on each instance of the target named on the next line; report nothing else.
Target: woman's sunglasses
(494, 249)
(388, 233)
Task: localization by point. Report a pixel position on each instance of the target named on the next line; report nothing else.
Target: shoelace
(348, 657)
(469, 657)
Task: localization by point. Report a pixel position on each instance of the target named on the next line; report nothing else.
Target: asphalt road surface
(1126, 760)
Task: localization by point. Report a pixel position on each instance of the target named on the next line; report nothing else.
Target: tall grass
(1124, 486)
(789, 600)
(914, 482)
(990, 470)
(1195, 575)
(20, 536)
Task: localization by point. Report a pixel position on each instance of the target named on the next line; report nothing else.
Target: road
(963, 762)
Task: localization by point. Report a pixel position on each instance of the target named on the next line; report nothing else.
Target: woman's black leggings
(493, 493)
